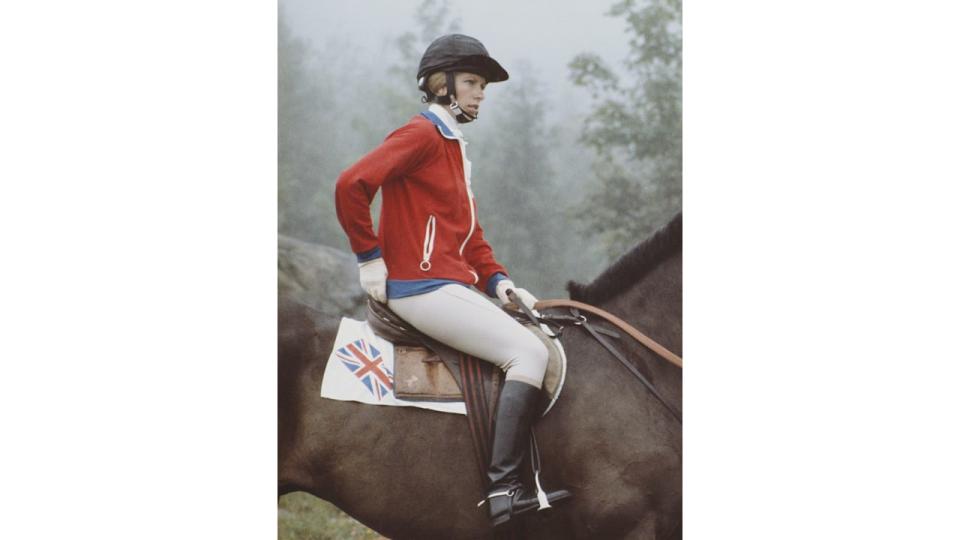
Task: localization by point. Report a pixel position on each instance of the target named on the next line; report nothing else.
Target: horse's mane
(632, 266)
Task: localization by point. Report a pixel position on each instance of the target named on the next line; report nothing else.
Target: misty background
(577, 157)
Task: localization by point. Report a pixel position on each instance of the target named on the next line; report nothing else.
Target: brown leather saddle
(425, 369)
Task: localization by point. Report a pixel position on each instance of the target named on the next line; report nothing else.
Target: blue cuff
(492, 283)
(369, 255)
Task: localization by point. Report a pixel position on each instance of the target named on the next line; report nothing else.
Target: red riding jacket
(428, 226)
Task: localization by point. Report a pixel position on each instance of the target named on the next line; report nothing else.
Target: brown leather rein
(616, 321)
(579, 320)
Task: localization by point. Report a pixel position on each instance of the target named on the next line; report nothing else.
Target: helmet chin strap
(462, 116)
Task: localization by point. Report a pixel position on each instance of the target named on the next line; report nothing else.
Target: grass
(304, 517)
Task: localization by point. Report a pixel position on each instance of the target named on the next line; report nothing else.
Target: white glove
(528, 299)
(373, 279)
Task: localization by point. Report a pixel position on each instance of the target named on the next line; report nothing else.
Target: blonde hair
(436, 81)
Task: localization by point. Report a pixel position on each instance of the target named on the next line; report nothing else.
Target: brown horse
(409, 473)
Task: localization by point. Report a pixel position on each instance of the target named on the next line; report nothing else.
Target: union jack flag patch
(366, 363)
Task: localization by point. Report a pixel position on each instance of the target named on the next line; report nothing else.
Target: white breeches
(461, 318)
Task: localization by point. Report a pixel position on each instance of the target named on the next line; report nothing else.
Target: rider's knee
(529, 361)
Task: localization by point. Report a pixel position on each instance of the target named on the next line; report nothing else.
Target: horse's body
(409, 473)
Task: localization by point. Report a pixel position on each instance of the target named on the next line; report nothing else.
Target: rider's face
(470, 88)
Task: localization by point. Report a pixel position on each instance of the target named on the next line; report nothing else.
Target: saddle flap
(420, 375)
(556, 369)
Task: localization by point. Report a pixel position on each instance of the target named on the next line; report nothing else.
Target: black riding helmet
(457, 52)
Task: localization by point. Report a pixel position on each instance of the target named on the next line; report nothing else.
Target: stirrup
(508, 493)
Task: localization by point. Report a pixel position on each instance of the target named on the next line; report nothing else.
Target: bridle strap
(616, 321)
(576, 319)
(626, 363)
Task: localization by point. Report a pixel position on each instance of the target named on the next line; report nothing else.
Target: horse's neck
(654, 305)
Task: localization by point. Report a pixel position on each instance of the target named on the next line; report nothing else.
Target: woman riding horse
(429, 251)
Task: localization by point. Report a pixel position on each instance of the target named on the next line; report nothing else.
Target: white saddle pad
(360, 368)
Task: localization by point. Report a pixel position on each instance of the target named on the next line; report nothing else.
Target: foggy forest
(562, 191)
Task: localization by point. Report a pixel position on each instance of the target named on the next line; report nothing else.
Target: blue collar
(444, 129)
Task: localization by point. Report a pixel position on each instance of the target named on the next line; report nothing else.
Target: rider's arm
(479, 255)
(402, 151)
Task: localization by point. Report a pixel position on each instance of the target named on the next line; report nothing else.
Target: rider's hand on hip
(373, 279)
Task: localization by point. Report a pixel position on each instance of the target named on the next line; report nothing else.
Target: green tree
(305, 142)
(635, 128)
(400, 94)
(317, 112)
(517, 189)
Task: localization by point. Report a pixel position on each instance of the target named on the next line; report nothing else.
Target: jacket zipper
(466, 182)
(429, 236)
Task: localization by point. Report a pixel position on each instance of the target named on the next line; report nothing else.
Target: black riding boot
(516, 411)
